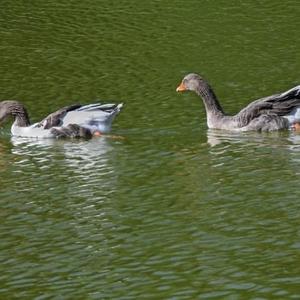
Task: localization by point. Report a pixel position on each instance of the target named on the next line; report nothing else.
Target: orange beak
(97, 133)
(296, 126)
(181, 87)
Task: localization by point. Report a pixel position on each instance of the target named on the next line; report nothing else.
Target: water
(172, 210)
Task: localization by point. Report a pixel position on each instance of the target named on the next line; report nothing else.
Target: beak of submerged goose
(97, 133)
(296, 126)
(181, 87)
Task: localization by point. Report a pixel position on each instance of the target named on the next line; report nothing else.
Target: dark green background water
(173, 210)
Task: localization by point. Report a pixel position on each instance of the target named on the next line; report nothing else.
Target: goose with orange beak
(275, 112)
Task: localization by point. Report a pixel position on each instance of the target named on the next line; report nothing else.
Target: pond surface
(171, 210)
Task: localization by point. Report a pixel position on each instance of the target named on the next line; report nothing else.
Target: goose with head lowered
(275, 112)
(74, 121)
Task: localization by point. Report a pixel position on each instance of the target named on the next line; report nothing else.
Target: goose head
(5, 110)
(192, 82)
(13, 108)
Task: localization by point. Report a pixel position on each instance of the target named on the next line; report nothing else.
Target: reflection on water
(4, 162)
(274, 139)
(90, 151)
(295, 139)
(99, 211)
(60, 204)
(175, 211)
(275, 151)
(89, 162)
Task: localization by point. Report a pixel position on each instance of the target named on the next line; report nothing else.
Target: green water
(173, 210)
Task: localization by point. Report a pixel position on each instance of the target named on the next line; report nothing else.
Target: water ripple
(172, 211)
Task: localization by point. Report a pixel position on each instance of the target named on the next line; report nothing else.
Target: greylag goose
(279, 111)
(70, 121)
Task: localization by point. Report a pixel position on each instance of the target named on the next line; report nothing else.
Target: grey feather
(274, 112)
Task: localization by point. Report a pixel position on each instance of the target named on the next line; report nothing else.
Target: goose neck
(210, 100)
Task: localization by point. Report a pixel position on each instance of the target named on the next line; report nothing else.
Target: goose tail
(108, 108)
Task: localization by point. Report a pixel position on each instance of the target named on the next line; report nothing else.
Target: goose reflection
(294, 138)
(4, 150)
(274, 139)
(74, 168)
(216, 137)
(77, 154)
(24, 142)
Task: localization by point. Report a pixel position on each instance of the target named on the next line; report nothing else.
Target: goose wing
(93, 116)
(278, 104)
(56, 118)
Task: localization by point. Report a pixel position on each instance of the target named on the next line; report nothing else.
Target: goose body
(70, 121)
(275, 112)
